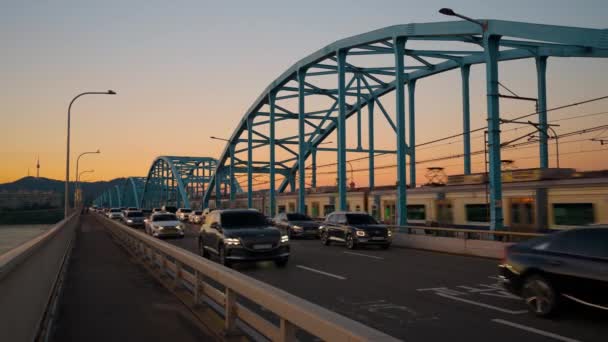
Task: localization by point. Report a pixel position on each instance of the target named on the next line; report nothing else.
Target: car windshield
(198, 213)
(135, 214)
(185, 210)
(360, 219)
(164, 217)
(114, 210)
(243, 219)
(298, 217)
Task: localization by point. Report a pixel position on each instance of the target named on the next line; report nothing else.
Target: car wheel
(325, 238)
(222, 256)
(281, 262)
(539, 295)
(350, 242)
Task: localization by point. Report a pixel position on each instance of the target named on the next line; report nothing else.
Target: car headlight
(179, 226)
(298, 228)
(160, 228)
(284, 238)
(129, 221)
(232, 241)
(361, 233)
(390, 233)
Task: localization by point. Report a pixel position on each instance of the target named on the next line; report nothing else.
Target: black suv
(242, 235)
(571, 264)
(297, 225)
(355, 229)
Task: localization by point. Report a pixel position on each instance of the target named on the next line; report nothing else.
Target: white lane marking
(487, 306)
(321, 272)
(365, 255)
(536, 331)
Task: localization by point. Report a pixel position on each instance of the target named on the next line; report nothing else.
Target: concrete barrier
(29, 275)
(480, 248)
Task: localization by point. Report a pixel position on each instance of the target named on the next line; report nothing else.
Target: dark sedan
(236, 235)
(297, 225)
(354, 229)
(571, 264)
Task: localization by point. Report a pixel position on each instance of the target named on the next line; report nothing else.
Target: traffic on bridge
(276, 236)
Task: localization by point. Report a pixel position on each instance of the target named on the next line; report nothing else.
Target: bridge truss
(318, 94)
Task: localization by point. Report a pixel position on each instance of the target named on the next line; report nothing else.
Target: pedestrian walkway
(107, 297)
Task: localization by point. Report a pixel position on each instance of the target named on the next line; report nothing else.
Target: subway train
(534, 200)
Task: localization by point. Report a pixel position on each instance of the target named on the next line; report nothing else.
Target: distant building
(30, 199)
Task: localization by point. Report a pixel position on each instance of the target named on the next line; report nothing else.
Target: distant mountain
(29, 184)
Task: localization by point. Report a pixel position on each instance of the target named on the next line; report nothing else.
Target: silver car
(115, 214)
(163, 224)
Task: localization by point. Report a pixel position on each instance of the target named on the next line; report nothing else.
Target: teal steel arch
(178, 181)
(358, 84)
(132, 190)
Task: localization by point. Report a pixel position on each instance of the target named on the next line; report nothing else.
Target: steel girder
(360, 86)
(132, 190)
(178, 181)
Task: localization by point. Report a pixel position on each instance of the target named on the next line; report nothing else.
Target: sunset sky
(187, 70)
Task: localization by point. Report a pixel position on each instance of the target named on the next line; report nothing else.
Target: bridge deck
(108, 298)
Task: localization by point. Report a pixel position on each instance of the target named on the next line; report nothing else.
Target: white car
(164, 225)
(196, 216)
(115, 213)
(183, 214)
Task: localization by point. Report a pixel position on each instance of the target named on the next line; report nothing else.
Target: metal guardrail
(30, 275)
(187, 270)
(466, 234)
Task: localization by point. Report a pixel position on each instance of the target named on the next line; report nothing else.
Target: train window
(315, 209)
(573, 214)
(477, 212)
(281, 209)
(515, 213)
(328, 209)
(416, 212)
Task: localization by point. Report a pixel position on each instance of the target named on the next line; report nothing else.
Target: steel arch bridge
(131, 191)
(322, 91)
(179, 181)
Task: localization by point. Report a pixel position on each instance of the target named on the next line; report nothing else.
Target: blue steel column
(301, 143)
(218, 189)
(541, 79)
(313, 167)
(358, 111)
(341, 54)
(465, 70)
(411, 89)
(232, 180)
(249, 163)
(400, 78)
(491, 44)
(370, 135)
(272, 199)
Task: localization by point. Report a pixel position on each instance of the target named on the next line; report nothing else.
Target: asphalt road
(417, 295)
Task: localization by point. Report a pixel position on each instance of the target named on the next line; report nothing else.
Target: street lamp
(78, 160)
(78, 192)
(451, 13)
(216, 138)
(67, 154)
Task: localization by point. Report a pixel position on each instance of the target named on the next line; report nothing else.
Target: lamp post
(78, 160)
(67, 154)
(450, 12)
(78, 192)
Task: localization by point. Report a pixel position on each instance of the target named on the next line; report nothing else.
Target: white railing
(187, 270)
(30, 278)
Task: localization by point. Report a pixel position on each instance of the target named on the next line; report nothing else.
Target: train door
(390, 212)
(445, 214)
(523, 214)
